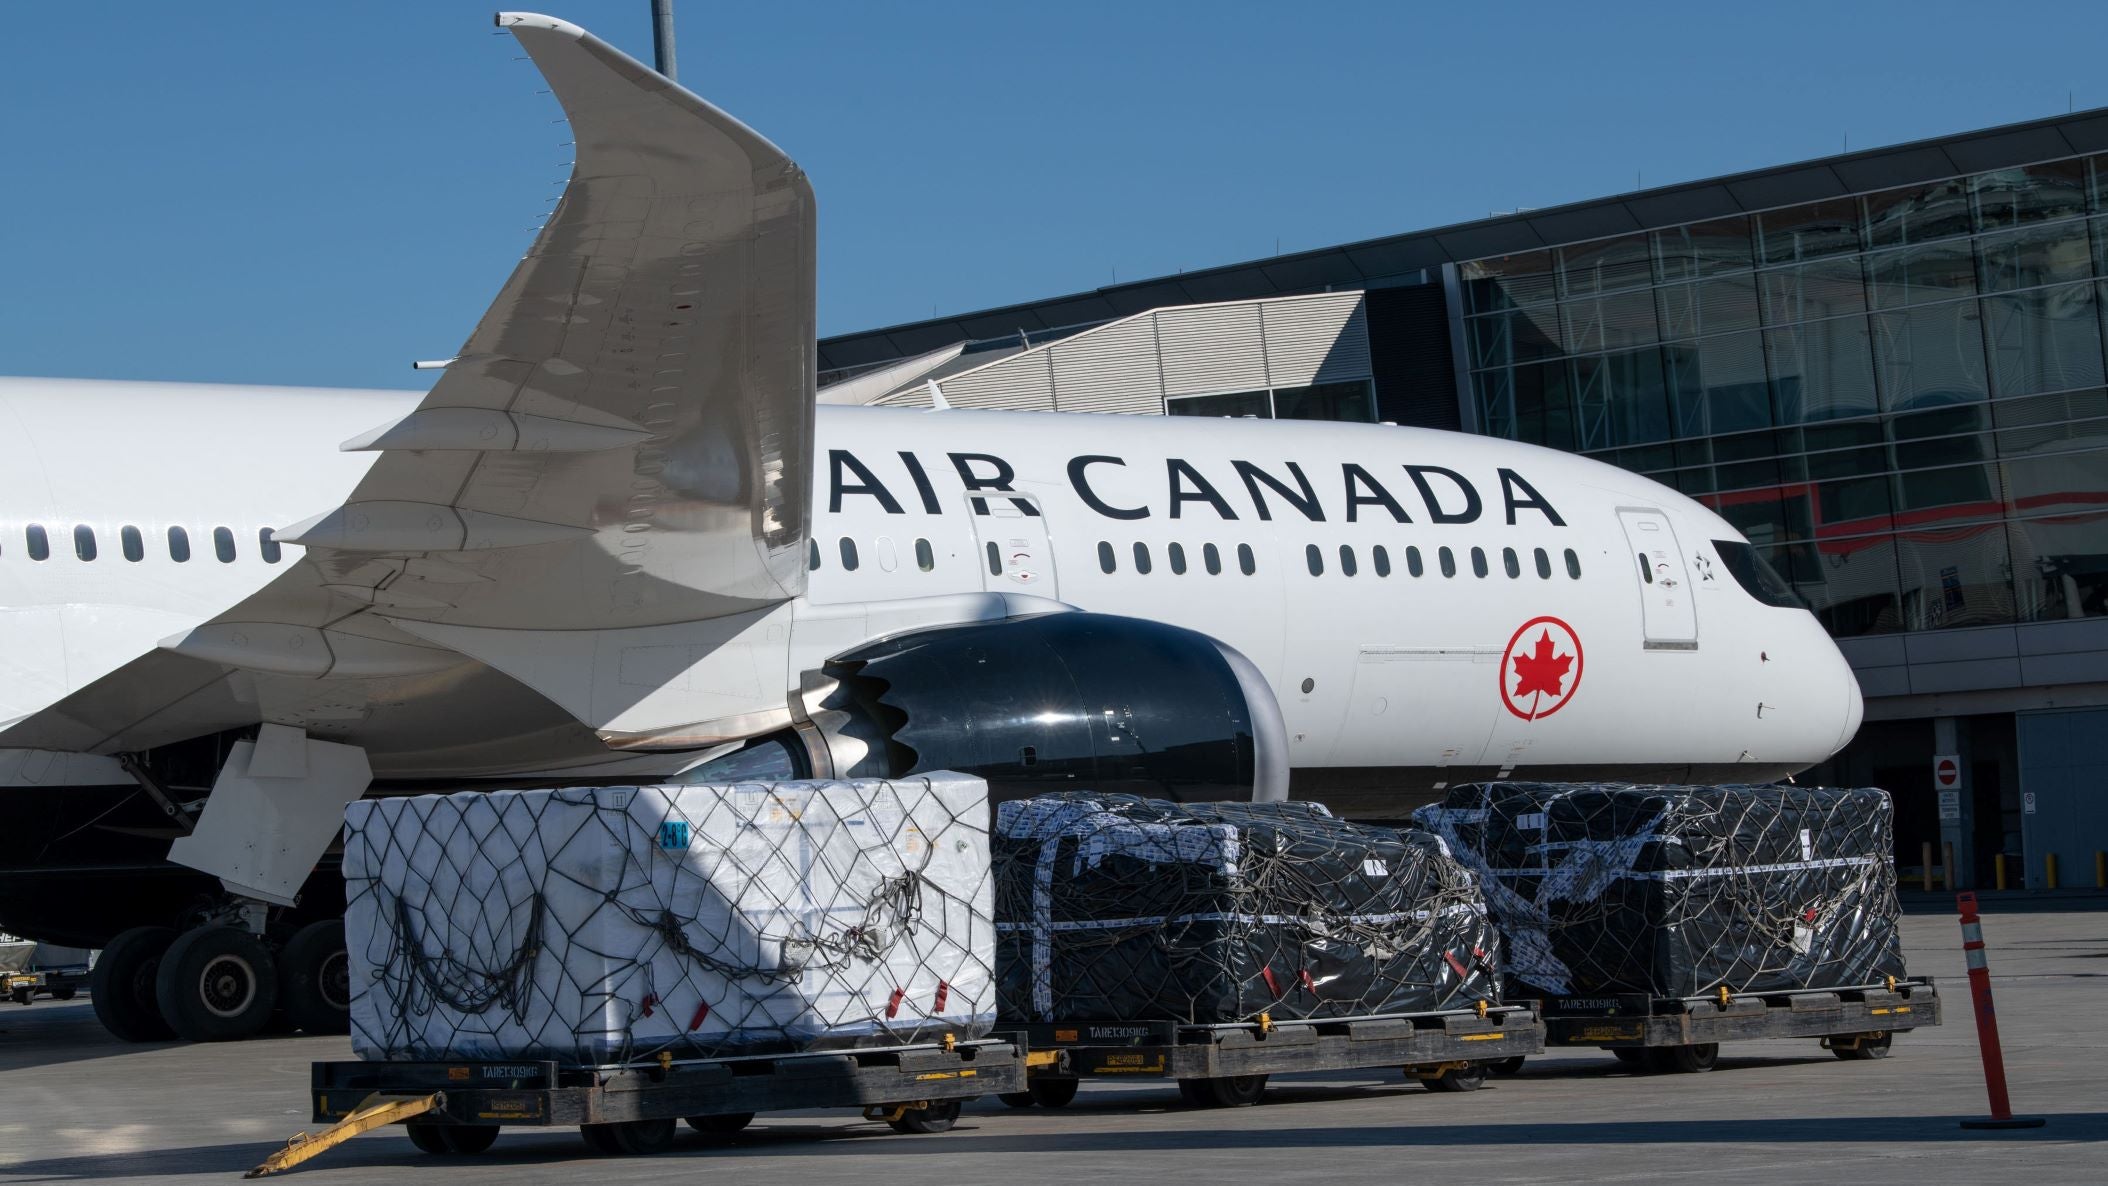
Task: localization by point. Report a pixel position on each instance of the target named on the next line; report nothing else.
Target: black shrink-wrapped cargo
(1115, 906)
(1677, 891)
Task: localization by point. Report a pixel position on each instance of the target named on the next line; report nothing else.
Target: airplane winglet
(535, 20)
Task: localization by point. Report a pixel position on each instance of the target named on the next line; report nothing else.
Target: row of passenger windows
(132, 543)
(1210, 558)
(1380, 560)
(925, 556)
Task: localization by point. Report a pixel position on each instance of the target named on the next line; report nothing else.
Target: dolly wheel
(62, 994)
(1236, 1091)
(1196, 1094)
(1506, 1066)
(1701, 1056)
(122, 985)
(1017, 1099)
(1469, 1077)
(722, 1125)
(1868, 1046)
(938, 1117)
(217, 984)
(1635, 1057)
(600, 1138)
(1054, 1093)
(450, 1140)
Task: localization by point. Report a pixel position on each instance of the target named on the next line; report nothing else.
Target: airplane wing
(623, 443)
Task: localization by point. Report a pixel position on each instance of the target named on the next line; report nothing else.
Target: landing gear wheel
(1236, 1091)
(1054, 1093)
(1687, 1060)
(1636, 1057)
(1466, 1078)
(314, 979)
(452, 1140)
(1507, 1066)
(722, 1125)
(630, 1137)
(216, 984)
(1017, 1099)
(1869, 1046)
(938, 1117)
(122, 985)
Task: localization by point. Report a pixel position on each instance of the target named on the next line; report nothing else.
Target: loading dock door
(1670, 616)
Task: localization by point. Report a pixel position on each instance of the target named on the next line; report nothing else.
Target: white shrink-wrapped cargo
(603, 925)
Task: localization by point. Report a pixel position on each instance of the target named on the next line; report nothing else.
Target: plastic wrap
(602, 925)
(1119, 907)
(1676, 891)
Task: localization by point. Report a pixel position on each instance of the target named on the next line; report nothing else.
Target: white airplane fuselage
(1426, 606)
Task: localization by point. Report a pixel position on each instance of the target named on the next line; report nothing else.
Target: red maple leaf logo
(1540, 671)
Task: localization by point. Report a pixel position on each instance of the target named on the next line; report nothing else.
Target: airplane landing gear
(314, 979)
(122, 986)
(217, 984)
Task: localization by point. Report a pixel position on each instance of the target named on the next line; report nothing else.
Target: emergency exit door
(1016, 554)
(1669, 614)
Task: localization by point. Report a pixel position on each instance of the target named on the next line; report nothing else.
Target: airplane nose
(1855, 705)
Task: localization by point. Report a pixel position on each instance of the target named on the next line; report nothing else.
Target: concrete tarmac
(77, 1105)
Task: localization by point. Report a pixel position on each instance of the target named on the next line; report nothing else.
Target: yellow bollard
(1925, 864)
(1998, 867)
(1947, 868)
(2050, 866)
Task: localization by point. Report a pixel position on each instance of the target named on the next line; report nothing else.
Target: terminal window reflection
(1897, 395)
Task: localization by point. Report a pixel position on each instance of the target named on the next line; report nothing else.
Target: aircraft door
(1017, 556)
(1668, 613)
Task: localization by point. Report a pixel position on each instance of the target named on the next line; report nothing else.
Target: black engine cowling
(1058, 701)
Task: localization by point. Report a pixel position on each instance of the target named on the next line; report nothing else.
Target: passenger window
(1315, 559)
(178, 545)
(925, 556)
(1412, 561)
(1449, 562)
(267, 546)
(848, 554)
(995, 559)
(1178, 559)
(1646, 569)
(1141, 558)
(1509, 561)
(1573, 564)
(1347, 566)
(134, 544)
(1382, 559)
(39, 543)
(812, 562)
(1245, 561)
(1106, 563)
(1544, 565)
(84, 541)
(1212, 558)
(1478, 562)
(888, 555)
(223, 544)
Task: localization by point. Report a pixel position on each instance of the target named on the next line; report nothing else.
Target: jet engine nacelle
(1058, 701)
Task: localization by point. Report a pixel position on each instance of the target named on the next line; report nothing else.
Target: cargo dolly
(61, 984)
(1684, 1033)
(457, 1108)
(1227, 1065)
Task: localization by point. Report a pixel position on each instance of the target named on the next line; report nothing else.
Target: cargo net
(1674, 891)
(599, 926)
(1119, 907)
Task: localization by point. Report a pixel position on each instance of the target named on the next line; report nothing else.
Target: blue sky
(301, 193)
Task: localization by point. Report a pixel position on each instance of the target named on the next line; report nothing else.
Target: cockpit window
(1757, 578)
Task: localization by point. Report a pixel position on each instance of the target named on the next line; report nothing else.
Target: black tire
(640, 1138)
(938, 1117)
(453, 1140)
(1195, 1092)
(600, 1138)
(722, 1125)
(1687, 1060)
(1470, 1077)
(1017, 1099)
(122, 985)
(1054, 1093)
(1636, 1057)
(217, 984)
(63, 994)
(1869, 1047)
(314, 979)
(1236, 1091)
(1507, 1066)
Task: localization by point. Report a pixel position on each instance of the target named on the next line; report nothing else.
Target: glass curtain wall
(1898, 396)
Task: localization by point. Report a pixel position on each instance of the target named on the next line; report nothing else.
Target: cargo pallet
(1227, 1065)
(454, 1108)
(1684, 1033)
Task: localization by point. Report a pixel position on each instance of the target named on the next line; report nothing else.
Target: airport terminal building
(1887, 368)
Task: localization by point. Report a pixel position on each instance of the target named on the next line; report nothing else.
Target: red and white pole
(1987, 1024)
